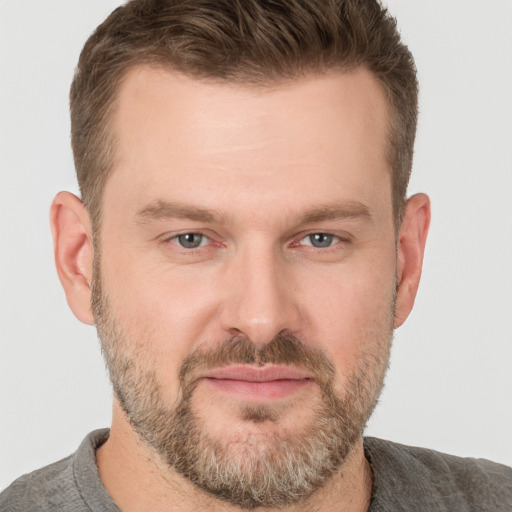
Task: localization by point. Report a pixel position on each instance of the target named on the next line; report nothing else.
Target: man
(244, 246)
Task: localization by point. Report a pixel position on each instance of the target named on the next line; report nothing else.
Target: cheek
(164, 310)
(351, 314)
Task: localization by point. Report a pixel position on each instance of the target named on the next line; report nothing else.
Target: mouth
(258, 383)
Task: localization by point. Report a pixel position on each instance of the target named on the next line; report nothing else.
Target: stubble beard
(274, 468)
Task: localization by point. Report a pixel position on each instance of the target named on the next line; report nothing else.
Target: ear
(73, 249)
(411, 247)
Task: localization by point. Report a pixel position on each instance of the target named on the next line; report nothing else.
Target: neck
(137, 480)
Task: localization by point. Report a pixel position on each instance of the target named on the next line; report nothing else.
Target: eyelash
(174, 240)
(336, 239)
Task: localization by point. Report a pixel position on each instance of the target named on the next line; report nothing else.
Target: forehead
(318, 134)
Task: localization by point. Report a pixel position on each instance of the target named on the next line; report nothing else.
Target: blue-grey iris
(321, 240)
(190, 240)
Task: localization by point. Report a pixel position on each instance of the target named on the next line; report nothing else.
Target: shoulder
(40, 490)
(442, 481)
(72, 484)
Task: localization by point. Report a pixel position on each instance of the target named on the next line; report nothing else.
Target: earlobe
(411, 248)
(74, 251)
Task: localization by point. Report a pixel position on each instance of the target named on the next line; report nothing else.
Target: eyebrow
(337, 211)
(161, 210)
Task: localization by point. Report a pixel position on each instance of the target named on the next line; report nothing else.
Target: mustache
(283, 349)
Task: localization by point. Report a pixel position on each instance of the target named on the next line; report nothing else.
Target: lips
(258, 383)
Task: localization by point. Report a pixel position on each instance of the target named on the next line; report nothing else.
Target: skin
(261, 160)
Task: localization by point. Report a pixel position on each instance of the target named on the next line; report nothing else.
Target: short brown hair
(252, 42)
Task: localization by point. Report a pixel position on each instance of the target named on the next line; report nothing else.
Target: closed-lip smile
(258, 383)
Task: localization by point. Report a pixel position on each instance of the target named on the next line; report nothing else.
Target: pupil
(190, 240)
(321, 240)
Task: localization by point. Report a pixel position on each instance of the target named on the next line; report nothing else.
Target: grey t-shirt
(405, 479)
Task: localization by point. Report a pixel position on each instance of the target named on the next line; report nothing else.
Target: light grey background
(450, 384)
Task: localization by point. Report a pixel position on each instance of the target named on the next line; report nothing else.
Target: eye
(190, 240)
(320, 240)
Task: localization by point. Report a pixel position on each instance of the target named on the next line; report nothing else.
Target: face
(245, 290)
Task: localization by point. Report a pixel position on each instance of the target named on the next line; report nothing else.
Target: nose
(260, 298)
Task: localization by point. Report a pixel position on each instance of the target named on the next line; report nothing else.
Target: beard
(272, 468)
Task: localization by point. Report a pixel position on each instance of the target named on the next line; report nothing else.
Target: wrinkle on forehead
(303, 144)
(211, 111)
